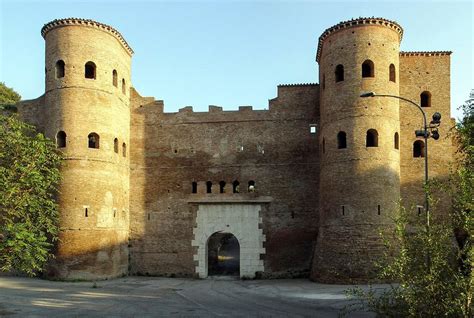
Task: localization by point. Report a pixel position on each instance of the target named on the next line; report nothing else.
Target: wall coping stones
(426, 53)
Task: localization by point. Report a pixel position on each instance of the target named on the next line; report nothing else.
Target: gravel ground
(164, 297)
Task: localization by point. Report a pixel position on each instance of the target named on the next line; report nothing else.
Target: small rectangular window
(420, 209)
(312, 128)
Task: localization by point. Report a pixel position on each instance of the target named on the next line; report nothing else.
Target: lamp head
(435, 134)
(436, 118)
(367, 94)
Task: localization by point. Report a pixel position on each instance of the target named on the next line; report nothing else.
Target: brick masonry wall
(274, 148)
(419, 73)
(142, 214)
(92, 246)
(359, 185)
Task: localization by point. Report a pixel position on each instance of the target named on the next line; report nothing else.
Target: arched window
(372, 138)
(116, 145)
(222, 186)
(251, 187)
(123, 86)
(425, 99)
(89, 70)
(124, 149)
(194, 187)
(60, 69)
(418, 149)
(209, 187)
(235, 186)
(93, 139)
(392, 75)
(339, 73)
(368, 68)
(61, 139)
(341, 140)
(396, 141)
(114, 78)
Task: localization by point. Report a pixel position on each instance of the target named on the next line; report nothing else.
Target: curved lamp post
(430, 130)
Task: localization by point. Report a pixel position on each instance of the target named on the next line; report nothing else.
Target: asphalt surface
(165, 297)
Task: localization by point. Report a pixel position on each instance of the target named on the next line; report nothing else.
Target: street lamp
(430, 130)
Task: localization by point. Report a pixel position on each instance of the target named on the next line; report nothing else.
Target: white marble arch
(240, 219)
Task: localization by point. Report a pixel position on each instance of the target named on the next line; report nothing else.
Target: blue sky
(229, 53)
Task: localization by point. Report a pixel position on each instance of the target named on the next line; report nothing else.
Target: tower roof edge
(85, 22)
(356, 22)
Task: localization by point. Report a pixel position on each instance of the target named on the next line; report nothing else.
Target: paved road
(163, 297)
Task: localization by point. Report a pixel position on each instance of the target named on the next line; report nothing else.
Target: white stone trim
(241, 220)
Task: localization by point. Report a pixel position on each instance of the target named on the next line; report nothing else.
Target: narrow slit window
(123, 86)
(378, 209)
(368, 68)
(392, 75)
(372, 138)
(418, 149)
(114, 78)
(86, 212)
(339, 73)
(222, 187)
(343, 208)
(236, 186)
(251, 186)
(93, 140)
(324, 145)
(116, 145)
(194, 187)
(209, 187)
(425, 99)
(124, 149)
(341, 140)
(60, 72)
(61, 139)
(396, 141)
(90, 70)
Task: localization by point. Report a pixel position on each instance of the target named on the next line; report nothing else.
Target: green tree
(433, 271)
(29, 175)
(8, 97)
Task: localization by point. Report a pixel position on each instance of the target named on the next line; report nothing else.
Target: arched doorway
(223, 254)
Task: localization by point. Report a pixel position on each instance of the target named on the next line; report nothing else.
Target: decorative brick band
(356, 22)
(426, 53)
(88, 23)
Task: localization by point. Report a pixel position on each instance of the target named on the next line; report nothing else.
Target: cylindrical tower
(360, 159)
(87, 112)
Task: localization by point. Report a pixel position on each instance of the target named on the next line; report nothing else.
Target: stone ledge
(228, 200)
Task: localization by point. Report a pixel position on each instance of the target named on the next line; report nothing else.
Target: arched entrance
(223, 255)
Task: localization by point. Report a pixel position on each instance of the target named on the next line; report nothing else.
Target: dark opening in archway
(223, 255)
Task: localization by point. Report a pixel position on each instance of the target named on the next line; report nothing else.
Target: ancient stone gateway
(216, 221)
